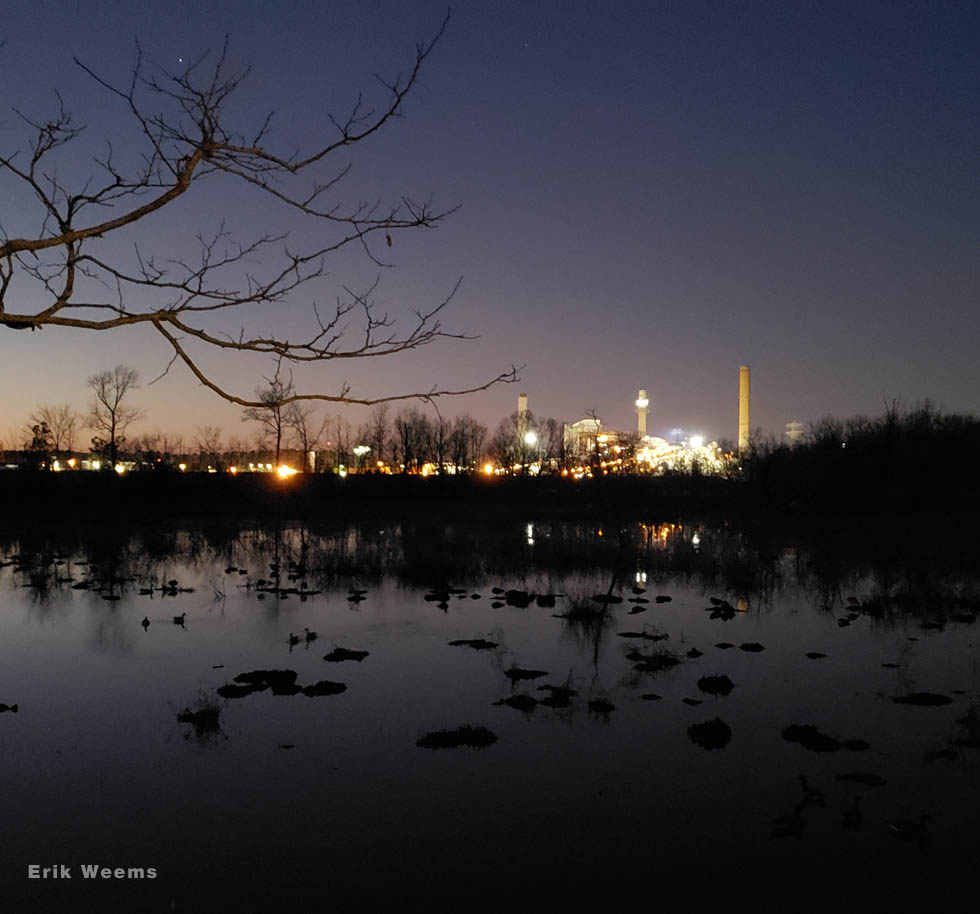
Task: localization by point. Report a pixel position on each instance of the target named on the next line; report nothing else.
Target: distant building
(581, 437)
(793, 433)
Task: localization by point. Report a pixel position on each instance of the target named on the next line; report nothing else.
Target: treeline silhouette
(920, 458)
(915, 460)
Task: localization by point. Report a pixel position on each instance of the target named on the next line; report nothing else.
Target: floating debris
(724, 645)
(890, 666)
(324, 687)
(692, 701)
(662, 598)
(471, 737)
(637, 609)
(286, 746)
(601, 706)
(651, 696)
(647, 636)
(694, 653)
(812, 738)
(525, 703)
(478, 644)
(715, 685)
(497, 604)
(340, 654)
(815, 655)
(843, 623)
(607, 599)
(515, 673)
(753, 647)
(923, 699)
(712, 734)
(863, 777)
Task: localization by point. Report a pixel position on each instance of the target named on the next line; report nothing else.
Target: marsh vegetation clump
(340, 654)
(712, 734)
(204, 717)
(812, 738)
(655, 661)
(715, 685)
(467, 735)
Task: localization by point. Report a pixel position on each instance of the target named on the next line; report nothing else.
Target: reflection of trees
(828, 564)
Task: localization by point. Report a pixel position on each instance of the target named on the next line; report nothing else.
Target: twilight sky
(651, 194)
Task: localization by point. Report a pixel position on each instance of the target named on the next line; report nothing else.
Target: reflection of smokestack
(743, 410)
(521, 414)
(641, 414)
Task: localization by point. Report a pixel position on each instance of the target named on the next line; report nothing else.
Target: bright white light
(285, 472)
(697, 440)
(361, 450)
(643, 403)
(120, 469)
(530, 438)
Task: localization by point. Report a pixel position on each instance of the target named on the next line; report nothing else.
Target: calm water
(330, 795)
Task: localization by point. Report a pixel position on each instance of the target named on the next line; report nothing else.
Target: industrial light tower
(641, 414)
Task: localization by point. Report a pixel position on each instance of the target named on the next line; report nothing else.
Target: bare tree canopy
(73, 272)
(108, 414)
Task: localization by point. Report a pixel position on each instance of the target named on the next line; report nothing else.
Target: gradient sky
(651, 194)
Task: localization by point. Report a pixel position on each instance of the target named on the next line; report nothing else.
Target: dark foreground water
(849, 778)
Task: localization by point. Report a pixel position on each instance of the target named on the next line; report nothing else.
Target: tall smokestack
(641, 414)
(743, 410)
(521, 415)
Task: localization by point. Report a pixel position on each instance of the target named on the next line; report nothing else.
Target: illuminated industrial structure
(743, 410)
(642, 404)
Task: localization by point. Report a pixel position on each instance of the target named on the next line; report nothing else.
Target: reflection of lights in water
(742, 605)
(641, 577)
(695, 540)
(530, 534)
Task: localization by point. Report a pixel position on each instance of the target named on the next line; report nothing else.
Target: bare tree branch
(70, 272)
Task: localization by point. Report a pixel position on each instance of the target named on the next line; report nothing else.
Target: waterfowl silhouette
(310, 636)
(145, 623)
(179, 620)
(8, 708)
(293, 639)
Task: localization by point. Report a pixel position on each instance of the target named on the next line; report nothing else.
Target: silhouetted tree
(272, 414)
(62, 424)
(108, 414)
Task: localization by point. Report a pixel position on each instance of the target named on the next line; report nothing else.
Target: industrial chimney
(743, 410)
(641, 414)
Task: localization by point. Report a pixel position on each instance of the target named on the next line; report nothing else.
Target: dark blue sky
(651, 194)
